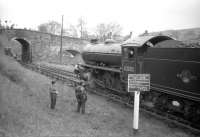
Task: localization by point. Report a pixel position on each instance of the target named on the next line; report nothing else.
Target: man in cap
(81, 96)
(53, 94)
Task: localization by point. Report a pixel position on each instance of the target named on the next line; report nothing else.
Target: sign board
(128, 66)
(138, 82)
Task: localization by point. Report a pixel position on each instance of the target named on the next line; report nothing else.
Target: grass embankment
(16, 86)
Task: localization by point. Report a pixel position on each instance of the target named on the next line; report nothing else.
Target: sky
(133, 15)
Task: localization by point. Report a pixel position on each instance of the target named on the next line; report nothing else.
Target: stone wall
(41, 44)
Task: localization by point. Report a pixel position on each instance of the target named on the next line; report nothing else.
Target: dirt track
(27, 113)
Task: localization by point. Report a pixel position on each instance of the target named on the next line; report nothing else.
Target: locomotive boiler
(174, 70)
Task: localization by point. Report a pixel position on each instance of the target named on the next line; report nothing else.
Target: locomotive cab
(134, 52)
(132, 59)
(128, 61)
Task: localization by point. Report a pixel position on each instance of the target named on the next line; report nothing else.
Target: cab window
(128, 52)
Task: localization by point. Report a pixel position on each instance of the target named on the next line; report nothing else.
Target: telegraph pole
(61, 41)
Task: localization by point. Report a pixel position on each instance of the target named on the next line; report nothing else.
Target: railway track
(66, 76)
(71, 79)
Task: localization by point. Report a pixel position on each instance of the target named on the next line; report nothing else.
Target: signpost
(137, 83)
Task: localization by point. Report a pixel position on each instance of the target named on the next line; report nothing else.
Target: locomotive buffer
(136, 84)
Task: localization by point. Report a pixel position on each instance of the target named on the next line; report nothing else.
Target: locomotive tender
(174, 70)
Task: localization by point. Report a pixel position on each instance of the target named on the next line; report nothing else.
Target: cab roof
(142, 40)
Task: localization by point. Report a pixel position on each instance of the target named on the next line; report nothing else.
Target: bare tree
(105, 31)
(71, 31)
(101, 30)
(1, 25)
(82, 27)
(43, 28)
(85, 34)
(50, 27)
(54, 27)
(12, 26)
(114, 28)
(6, 24)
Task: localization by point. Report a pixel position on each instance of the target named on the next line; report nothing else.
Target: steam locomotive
(174, 71)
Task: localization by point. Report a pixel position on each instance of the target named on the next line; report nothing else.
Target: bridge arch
(26, 53)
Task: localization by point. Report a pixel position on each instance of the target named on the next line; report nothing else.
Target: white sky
(132, 15)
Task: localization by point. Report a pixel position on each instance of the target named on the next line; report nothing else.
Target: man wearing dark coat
(81, 96)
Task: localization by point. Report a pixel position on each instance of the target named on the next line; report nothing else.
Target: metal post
(136, 110)
(61, 41)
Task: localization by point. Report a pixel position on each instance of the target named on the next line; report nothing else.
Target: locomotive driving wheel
(192, 113)
(161, 103)
(107, 79)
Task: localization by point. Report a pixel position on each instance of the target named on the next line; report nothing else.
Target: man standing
(81, 96)
(53, 94)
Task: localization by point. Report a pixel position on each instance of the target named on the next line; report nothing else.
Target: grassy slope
(28, 114)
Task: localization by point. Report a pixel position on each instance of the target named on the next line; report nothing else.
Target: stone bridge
(35, 44)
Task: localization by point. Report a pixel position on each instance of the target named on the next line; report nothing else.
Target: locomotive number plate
(129, 68)
(138, 82)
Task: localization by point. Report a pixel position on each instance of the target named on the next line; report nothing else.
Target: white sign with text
(138, 82)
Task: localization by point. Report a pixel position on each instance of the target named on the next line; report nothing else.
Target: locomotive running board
(102, 68)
